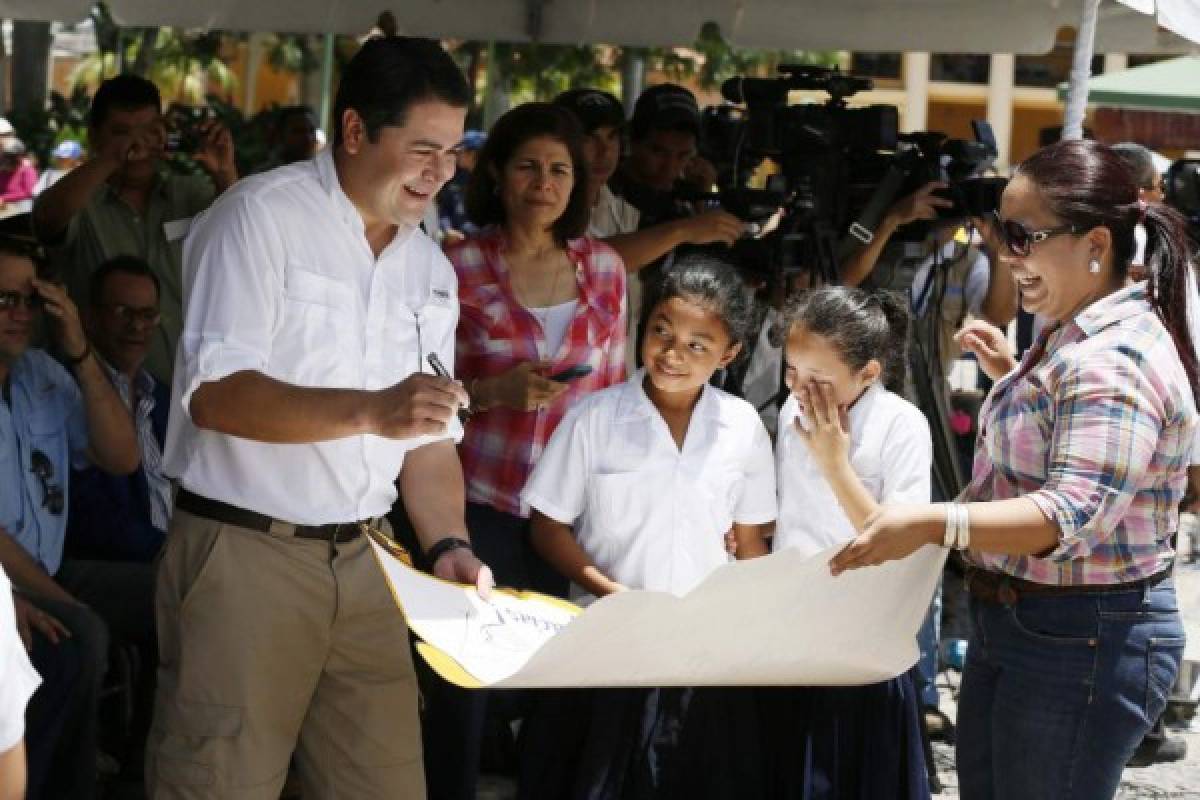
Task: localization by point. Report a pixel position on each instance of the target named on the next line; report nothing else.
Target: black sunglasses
(12, 299)
(52, 494)
(1020, 240)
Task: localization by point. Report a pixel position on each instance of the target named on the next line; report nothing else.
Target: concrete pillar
(1000, 104)
(916, 92)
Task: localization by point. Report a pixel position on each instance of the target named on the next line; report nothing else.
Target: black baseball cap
(666, 106)
(593, 108)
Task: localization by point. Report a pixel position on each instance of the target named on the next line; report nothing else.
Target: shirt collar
(1112, 309)
(865, 403)
(634, 404)
(328, 178)
(141, 379)
(332, 185)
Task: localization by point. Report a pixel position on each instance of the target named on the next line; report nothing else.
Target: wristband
(443, 546)
(949, 536)
(75, 362)
(963, 539)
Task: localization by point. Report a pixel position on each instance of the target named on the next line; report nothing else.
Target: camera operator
(977, 284)
(638, 210)
(124, 201)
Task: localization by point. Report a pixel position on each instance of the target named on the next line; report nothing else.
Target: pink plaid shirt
(1097, 432)
(496, 333)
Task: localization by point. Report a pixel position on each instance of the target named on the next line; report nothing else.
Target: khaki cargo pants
(271, 645)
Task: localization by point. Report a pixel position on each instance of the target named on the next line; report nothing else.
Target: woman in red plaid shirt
(542, 323)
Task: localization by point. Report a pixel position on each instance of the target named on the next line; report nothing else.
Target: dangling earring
(1094, 266)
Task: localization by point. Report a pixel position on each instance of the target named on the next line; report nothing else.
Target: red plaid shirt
(496, 333)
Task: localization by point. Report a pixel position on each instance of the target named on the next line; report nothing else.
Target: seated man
(124, 200)
(50, 421)
(124, 517)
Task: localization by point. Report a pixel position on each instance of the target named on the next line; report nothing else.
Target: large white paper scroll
(778, 620)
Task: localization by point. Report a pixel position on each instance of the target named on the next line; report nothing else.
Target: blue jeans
(1058, 691)
(928, 640)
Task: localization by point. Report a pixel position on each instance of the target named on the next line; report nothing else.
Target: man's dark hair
(18, 246)
(126, 265)
(123, 93)
(518, 126)
(390, 73)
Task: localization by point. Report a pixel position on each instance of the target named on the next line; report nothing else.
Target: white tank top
(555, 321)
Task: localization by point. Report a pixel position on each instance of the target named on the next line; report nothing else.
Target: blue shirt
(44, 414)
(124, 517)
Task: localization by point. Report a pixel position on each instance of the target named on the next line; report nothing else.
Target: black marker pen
(440, 370)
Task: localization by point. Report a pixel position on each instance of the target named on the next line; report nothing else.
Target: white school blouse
(890, 450)
(648, 514)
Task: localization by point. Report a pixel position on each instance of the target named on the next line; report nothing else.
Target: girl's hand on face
(828, 432)
(892, 533)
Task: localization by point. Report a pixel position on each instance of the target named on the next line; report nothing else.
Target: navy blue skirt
(640, 744)
(786, 743)
(844, 743)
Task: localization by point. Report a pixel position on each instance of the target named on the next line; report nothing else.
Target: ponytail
(1169, 267)
(895, 360)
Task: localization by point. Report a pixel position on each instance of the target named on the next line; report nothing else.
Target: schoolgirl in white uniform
(846, 444)
(636, 490)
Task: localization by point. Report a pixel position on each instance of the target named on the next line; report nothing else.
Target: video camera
(1182, 189)
(837, 169)
(185, 127)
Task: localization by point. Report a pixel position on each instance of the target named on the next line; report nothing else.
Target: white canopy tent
(952, 26)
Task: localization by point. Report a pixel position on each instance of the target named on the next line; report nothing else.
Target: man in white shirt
(299, 406)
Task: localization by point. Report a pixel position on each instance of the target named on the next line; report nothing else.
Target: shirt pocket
(622, 503)
(317, 330)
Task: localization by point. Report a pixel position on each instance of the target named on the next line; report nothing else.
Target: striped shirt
(496, 333)
(152, 458)
(1095, 427)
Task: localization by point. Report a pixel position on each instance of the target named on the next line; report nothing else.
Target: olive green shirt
(108, 227)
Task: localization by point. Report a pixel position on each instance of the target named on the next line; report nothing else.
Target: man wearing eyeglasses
(124, 199)
(52, 418)
(124, 518)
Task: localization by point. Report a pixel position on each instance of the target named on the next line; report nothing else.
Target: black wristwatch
(443, 546)
(72, 363)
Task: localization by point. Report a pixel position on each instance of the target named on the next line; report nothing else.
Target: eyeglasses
(1020, 240)
(11, 300)
(52, 494)
(148, 315)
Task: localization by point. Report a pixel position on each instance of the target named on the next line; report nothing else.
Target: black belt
(996, 587)
(243, 518)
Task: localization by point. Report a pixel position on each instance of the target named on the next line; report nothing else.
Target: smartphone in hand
(571, 373)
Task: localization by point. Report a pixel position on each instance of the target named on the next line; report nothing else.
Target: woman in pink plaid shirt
(542, 323)
(1068, 523)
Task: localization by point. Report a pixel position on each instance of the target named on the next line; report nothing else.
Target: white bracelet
(948, 537)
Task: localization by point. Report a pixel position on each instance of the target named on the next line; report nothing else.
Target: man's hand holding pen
(419, 405)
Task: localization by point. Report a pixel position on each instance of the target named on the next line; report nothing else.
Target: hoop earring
(1094, 266)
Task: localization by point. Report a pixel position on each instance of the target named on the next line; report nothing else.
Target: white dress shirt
(279, 279)
(890, 450)
(652, 516)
